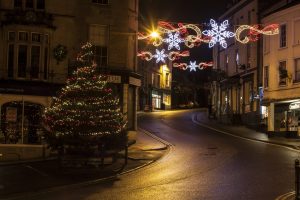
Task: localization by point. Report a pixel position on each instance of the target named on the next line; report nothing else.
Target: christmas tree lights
(86, 109)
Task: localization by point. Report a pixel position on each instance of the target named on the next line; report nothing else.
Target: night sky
(185, 11)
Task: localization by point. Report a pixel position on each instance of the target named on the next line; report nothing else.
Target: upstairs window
(40, 4)
(18, 3)
(104, 2)
(297, 70)
(29, 4)
(282, 35)
(282, 73)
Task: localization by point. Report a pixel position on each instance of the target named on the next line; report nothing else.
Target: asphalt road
(201, 164)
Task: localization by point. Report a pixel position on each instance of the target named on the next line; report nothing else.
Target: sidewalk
(29, 178)
(244, 132)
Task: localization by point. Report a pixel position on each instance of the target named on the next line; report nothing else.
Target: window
(35, 62)
(10, 62)
(248, 55)
(105, 2)
(282, 73)
(22, 61)
(297, 70)
(18, 3)
(167, 81)
(266, 41)
(36, 37)
(297, 32)
(98, 35)
(40, 4)
(11, 36)
(283, 35)
(29, 4)
(158, 81)
(226, 63)
(28, 56)
(237, 60)
(266, 76)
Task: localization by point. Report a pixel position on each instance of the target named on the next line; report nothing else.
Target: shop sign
(11, 114)
(134, 81)
(294, 106)
(114, 79)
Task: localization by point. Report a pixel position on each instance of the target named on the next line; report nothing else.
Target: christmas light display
(218, 34)
(193, 66)
(161, 55)
(254, 31)
(86, 109)
(173, 40)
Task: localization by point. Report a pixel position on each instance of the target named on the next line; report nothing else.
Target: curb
(287, 196)
(27, 195)
(291, 147)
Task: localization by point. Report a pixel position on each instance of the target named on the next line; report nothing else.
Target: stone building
(39, 41)
(281, 70)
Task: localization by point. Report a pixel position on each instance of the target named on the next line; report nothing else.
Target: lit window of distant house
(283, 35)
(297, 70)
(105, 2)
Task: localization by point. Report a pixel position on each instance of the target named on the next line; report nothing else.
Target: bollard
(297, 180)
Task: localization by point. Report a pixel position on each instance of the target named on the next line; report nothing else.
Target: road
(201, 164)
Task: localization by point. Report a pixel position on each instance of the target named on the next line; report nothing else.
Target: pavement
(23, 179)
(244, 132)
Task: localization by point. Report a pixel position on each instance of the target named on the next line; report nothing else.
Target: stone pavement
(17, 180)
(244, 132)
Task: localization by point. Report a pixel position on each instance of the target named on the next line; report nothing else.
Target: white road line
(36, 170)
(240, 137)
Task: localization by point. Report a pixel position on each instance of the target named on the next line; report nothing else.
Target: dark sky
(184, 11)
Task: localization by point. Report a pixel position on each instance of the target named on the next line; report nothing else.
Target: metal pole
(22, 119)
(297, 181)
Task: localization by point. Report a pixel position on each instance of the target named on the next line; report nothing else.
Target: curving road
(201, 164)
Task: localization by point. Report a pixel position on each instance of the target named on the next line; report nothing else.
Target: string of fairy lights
(175, 35)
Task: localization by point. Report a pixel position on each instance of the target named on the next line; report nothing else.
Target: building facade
(234, 91)
(155, 92)
(281, 70)
(39, 42)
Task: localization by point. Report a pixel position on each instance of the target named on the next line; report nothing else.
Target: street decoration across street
(192, 66)
(160, 55)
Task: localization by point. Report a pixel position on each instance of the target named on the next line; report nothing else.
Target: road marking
(286, 196)
(36, 170)
(241, 137)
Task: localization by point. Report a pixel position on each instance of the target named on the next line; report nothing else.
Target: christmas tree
(85, 113)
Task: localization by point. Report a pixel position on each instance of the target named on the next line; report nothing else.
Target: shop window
(283, 35)
(297, 70)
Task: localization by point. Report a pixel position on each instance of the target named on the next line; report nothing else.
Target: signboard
(114, 79)
(294, 106)
(11, 114)
(134, 81)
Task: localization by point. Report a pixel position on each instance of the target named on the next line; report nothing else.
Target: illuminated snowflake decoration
(192, 66)
(218, 34)
(173, 40)
(160, 55)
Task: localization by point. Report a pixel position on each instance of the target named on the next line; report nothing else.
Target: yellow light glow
(154, 34)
